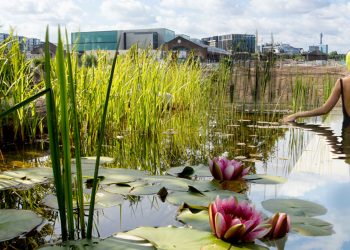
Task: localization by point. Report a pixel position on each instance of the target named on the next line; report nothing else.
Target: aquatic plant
(223, 169)
(280, 226)
(235, 221)
(18, 81)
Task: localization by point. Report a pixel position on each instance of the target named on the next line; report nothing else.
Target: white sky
(297, 22)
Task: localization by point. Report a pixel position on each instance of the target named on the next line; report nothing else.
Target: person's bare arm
(324, 109)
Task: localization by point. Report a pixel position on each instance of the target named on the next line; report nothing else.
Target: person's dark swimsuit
(346, 117)
(345, 146)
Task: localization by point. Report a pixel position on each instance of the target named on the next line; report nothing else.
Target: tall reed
(17, 84)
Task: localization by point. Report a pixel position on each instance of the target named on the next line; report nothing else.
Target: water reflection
(321, 174)
(340, 145)
(135, 212)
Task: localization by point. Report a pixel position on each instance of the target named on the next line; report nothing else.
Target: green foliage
(89, 60)
(335, 56)
(16, 85)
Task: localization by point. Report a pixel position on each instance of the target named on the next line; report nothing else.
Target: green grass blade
(61, 73)
(54, 145)
(80, 197)
(25, 102)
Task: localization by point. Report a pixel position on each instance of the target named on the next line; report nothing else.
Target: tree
(333, 55)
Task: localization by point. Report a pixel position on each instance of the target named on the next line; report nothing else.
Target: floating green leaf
(294, 207)
(169, 182)
(186, 238)
(24, 178)
(177, 238)
(103, 200)
(265, 179)
(120, 175)
(200, 200)
(198, 220)
(14, 223)
(112, 243)
(123, 188)
(200, 170)
(92, 160)
(178, 198)
(146, 190)
(309, 226)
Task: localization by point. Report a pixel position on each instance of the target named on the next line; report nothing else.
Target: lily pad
(200, 200)
(200, 170)
(177, 238)
(123, 188)
(265, 179)
(169, 182)
(198, 220)
(120, 175)
(102, 200)
(186, 238)
(309, 226)
(294, 207)
(92, 160)
(146, 190)
(36, 172)
(14, 223)
(112, 243)
(24, 178)
(178, 198)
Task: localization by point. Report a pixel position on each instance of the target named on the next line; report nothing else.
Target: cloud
(30, 17)
(297, 22)
(130, 12)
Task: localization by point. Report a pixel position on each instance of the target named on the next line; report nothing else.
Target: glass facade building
(233, 42)
(107, 40)
(321, 47)
(95, 40)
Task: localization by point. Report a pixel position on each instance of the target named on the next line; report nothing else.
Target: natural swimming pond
(311, 156)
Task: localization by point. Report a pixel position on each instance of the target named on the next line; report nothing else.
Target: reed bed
(155, 105)
(17, 82)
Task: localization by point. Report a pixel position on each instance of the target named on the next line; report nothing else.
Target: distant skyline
(297, 22)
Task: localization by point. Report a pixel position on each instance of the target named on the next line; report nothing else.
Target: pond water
(312, 156)
(321, 173)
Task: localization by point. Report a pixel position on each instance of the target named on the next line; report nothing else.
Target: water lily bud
(280, 226)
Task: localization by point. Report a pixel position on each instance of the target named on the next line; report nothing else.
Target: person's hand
(289, 118)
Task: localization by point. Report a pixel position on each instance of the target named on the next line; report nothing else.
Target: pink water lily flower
(280, 226)
(235, 221)
(223, 169)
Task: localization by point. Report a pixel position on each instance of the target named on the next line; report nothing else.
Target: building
(25, 44)
(108, 40)
(94, 40)
(184, 35)
(315, 55)
(145, 38)
(3, 36)
(31, 43)
(321, 47)
(183, 47)
(39, 50)
(281, 48)
(232, 42)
